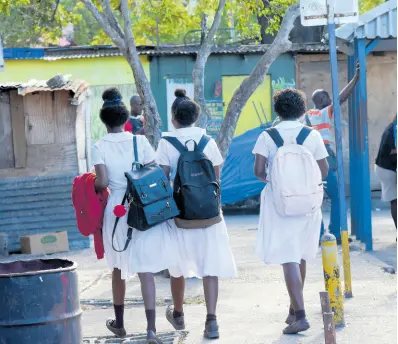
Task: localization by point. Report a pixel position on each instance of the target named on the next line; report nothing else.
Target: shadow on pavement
(387, 255)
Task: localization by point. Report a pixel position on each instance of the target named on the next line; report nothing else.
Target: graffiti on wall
(282, 83)
(216, 108)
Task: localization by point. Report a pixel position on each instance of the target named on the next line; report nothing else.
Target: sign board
(1, 56)
(315, 12)
(216, 108)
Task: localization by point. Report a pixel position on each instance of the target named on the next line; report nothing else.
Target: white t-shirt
(289, 130)
(116, 152)
(167, 155)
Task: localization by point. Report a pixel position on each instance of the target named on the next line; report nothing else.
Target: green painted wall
(282, 74)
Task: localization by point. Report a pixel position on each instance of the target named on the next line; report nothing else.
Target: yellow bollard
(331, 274)
(346, 264)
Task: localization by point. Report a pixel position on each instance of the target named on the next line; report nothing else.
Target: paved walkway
(252, 307)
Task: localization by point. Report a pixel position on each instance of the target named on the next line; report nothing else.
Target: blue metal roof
(380, 22)
(23, 53)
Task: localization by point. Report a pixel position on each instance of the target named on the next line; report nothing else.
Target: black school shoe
(298, 326)
(211, 330)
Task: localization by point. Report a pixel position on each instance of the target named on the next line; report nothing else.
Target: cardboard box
(45, 243)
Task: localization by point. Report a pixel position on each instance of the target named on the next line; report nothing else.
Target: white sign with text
(315, 12)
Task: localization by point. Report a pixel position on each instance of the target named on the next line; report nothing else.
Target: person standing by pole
(321, 119)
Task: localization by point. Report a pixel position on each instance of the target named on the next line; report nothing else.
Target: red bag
(89, 209)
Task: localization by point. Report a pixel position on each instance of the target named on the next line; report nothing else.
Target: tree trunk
(263, 21)
(125, 42)
(198, 77)
(198, 73)
(151, 114)
(280, 45)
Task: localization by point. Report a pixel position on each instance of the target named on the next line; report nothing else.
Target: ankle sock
(177, 314)
(300, 315)
(291, 311)
(151, 319)
(210, 317)
(119, 315)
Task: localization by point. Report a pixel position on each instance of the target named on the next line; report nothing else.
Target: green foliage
(366, 5)
(32, 22)
(40, 22)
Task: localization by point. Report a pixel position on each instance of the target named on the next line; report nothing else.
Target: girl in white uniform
(148, 252)
(205, 253)
(288, 240)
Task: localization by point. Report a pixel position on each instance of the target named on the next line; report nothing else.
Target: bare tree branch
(198, 74)
(106, 5)
(128, 31)
(106, 26)
(151, 114)
(242, 94)
(55, 10)
(216, 21)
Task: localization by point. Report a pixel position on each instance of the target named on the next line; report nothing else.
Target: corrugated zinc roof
(105, 51)
(79, 88)
(380, 22)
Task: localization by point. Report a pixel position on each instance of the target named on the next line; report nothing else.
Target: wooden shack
(45, 140)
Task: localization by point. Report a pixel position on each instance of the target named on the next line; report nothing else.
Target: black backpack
(149, 196)
(196, 188)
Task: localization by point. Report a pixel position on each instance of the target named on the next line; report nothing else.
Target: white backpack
(296, 179)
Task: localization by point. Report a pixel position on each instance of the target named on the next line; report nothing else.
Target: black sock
(119, 315)
(300, 315)
(177, 314)
(210, 317)
(291, 310)
(151, 319)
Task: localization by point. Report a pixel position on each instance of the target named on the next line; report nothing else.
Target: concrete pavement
(253, 307)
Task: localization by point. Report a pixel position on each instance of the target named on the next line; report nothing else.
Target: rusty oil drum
(39, 302)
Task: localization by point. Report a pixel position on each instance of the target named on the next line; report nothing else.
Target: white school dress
(287, 239)
(203, 252)
(149, 251)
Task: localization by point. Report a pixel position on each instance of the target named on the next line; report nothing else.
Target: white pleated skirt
(286, 239)
(203, 252)
(151, 251)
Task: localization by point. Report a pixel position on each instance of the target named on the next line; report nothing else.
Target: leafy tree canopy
(43, 22)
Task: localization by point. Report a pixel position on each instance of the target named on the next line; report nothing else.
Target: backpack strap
(176, 144)
(129, 231)
(135, 149)
(302, 136)
(275, 136)
(307, 120)
(202, 143)
(136, 163)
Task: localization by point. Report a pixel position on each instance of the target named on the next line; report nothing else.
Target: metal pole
(353, 177)
(258, 115)
(366, 202)
(1, 56)
(357, 159)
(331, 275)
(339, 152)
(328, 320)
